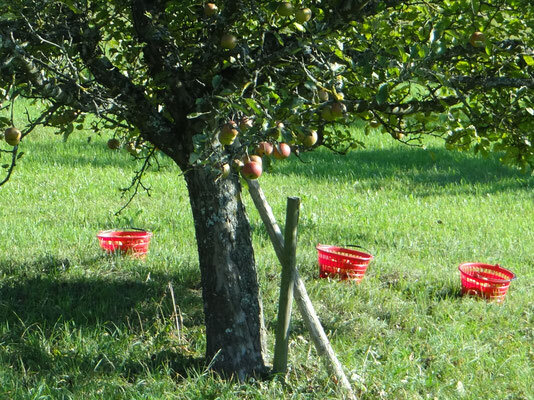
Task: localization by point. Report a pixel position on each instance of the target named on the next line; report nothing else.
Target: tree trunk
(232, 304)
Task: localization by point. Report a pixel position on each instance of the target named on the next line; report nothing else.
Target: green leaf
(382, 95)
(71, 6)
(528, 59)
(216, 81)
(254, 106)
(196, 115)
(299, 27)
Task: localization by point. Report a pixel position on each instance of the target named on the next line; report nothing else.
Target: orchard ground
(75, 323)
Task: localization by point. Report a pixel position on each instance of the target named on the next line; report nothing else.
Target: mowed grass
(75, 323)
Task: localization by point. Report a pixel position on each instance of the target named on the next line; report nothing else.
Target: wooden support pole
(287, 283)
(320, 340)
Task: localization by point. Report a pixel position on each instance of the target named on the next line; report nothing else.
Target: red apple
(210, 9)
(281, 151)
(477, 39)
(252, 158)
(264, 148)
(251, 170)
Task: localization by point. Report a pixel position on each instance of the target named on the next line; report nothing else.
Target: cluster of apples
(12, 136)
(286, 9)
(251, 165)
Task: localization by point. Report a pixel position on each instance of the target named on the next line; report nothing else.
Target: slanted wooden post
(320, 340)
(286, 286)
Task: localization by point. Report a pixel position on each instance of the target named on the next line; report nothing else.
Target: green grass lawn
(75, 323)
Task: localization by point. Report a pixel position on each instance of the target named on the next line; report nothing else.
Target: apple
(285, 9)
(274, 133)
(245, 124)
(264, 148)
(237, 164)
(114, 144)
(210, 9)
(323, 95)
(399, 136)
(309, 139)
(228, 133)
(477, 39)
(303, 15)
(228, 41)
(225, 170)
(252, 158)
(326, 113)
(251, 170)
(281, 151)
(132, 148)
(374, 123)
(338, 110)
(12, 136)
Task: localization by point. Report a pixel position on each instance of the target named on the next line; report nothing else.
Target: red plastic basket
(342, 263)
(134, 243)
(485, 280)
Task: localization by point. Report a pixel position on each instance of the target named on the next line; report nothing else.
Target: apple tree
(211, 83)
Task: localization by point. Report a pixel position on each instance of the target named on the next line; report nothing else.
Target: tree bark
(232, 305)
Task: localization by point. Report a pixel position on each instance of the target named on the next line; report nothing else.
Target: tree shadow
(81, 154)
(425, 169)
(44, 294)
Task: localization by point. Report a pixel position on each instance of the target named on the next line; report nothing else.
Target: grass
(75, 323)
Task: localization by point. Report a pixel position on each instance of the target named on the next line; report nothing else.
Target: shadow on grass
(419, 167)
(42, 294)
(81, 154)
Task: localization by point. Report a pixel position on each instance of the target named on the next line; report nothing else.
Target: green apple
(12, 136)
(309, 139)
(303, 15)
(228, 41)
(285, 9)
(228, 133)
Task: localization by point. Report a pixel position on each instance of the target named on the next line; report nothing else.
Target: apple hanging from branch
(228, 133)
(281, 151)
(12, 136)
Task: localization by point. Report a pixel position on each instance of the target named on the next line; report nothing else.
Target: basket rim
(326, 248)
(494, 267)
(126, 234)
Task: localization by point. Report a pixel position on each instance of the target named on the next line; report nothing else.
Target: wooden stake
(320, 340)
(287, 283)
(177, 316)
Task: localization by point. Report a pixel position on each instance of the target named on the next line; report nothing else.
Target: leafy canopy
(156, 72)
